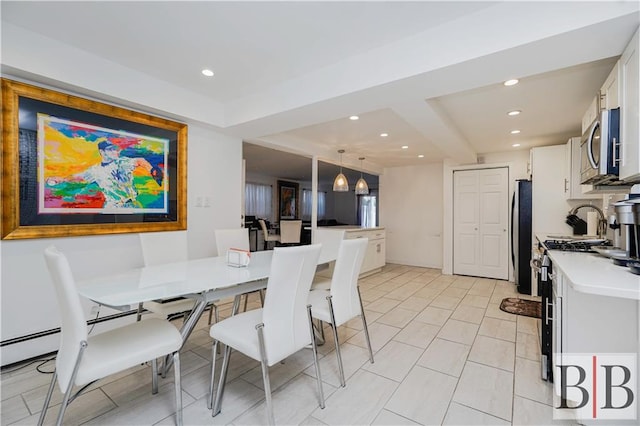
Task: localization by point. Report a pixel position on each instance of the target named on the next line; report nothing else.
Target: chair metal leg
(178, 386)
(265, 374)
(335, 337)
(139, 313)
(221, 382)
(185, 332)
(315, 358)
(321, 327)
(67, 394)
(246, 300)
(213, 310)
(154, 376)
(214, 352)
(47, 399)
(366, 329)
(236, 304)
(318, 332)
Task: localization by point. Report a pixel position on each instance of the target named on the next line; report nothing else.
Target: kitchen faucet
(602, 222)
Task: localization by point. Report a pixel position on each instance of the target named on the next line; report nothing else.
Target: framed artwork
(288, 200)
(73, 166)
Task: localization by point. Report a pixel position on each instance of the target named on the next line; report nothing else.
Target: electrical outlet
(198, 201)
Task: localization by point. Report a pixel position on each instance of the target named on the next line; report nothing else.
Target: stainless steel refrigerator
(521, 235)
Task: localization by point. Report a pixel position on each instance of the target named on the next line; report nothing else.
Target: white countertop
(348, 228)
(595, 274)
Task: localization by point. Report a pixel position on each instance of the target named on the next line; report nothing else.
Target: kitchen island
(374, 258)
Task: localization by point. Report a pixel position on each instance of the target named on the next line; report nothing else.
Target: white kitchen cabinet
(630, 112)
(591, 113)
(590, 324)
(549, 207)
(610, 91)
(374, 258)
(572, 188)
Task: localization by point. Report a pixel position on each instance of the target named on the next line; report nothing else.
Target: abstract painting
(90, 169)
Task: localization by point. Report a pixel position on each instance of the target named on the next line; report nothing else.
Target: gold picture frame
(59, 177)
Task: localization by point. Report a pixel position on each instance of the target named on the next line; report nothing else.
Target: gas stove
(585, 246)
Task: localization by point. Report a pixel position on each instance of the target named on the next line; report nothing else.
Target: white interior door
(481, 219)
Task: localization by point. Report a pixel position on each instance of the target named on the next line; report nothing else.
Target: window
(307, 199)
(368, 210)
(257, 200)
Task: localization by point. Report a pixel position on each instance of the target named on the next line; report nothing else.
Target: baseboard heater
(44, 333)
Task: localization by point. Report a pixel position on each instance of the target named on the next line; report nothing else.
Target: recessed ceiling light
(354, 118)
(515, 132)
(405, 146)
(515, 145)
(207, 72)
(421, 156)
(514, 112)
(511, 82)
(384, 135)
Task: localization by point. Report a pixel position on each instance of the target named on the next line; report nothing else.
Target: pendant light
(361, 186)
(340, 183)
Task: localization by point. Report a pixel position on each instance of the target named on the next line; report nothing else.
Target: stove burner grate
(563, 245)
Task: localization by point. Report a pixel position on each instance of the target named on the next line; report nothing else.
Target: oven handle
(548, 317)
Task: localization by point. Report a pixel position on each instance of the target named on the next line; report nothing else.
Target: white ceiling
(289, 74)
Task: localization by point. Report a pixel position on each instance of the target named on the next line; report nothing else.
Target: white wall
(214, 176)
(518, 162)
(28, 301)
(411, 212)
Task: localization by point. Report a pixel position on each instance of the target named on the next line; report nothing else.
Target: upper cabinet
(629, 112)
(592, 112)
(610, 91)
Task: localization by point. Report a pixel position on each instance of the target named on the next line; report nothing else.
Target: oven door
(556, 345)
(543, 267)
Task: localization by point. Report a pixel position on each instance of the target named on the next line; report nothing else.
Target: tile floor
(444, 354)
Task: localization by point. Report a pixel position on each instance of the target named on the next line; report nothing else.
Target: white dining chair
(342, 301)
(290, 231)
(281, 328)
(159, 248)
(267, 236)
(83, 359)
(330, 239)
(234, 238)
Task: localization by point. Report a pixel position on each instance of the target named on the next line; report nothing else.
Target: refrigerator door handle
(513, 252)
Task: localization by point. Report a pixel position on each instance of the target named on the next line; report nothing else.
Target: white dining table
(204, 280)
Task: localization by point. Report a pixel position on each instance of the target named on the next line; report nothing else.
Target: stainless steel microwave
(600, 149)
